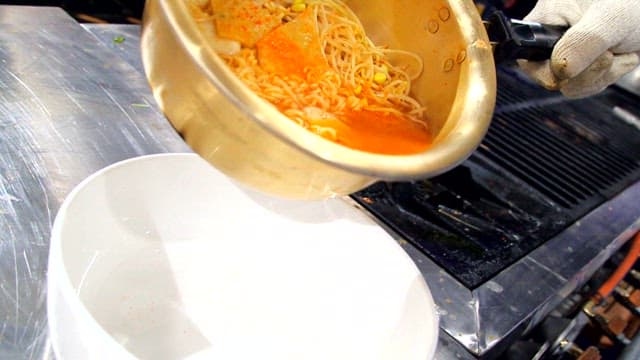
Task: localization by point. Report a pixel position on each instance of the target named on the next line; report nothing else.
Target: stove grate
(546, 161)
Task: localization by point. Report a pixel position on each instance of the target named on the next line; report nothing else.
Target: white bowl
(163, 257)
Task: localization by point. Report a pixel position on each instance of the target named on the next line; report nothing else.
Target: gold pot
(251, 141)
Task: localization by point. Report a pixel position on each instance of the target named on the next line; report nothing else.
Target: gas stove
(548, 197)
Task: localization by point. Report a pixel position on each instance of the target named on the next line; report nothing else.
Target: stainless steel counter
(69, 105)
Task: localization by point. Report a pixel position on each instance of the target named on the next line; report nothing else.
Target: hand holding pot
(600, 46)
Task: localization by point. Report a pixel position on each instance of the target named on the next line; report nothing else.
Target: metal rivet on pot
(461, 56)
(433, 26)
(448, 65)
(444, 14)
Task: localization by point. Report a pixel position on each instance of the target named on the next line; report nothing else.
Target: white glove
(599, 47)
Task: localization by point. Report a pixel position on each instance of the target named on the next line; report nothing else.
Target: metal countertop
(69, 105)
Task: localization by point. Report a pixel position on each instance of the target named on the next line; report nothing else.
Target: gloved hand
(600, 46)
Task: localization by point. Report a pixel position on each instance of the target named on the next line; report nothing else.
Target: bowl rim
(470, 124)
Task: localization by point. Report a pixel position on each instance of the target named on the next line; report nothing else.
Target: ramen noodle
(314, 62)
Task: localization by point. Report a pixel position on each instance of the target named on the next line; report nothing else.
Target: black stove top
(545, 162)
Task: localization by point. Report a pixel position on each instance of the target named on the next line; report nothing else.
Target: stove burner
(545, 162)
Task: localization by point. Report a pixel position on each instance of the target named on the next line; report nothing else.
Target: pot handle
(516, 39)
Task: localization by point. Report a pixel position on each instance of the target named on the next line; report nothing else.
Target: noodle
(355, 76)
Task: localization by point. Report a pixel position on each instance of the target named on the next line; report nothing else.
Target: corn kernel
(299, 7)
(379, 78)
(357, 90)
(298, 1)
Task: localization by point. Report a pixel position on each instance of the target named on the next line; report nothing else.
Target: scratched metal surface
(69, 105)
(123, 39)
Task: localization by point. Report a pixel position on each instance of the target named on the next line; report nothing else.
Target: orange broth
(381, 133)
